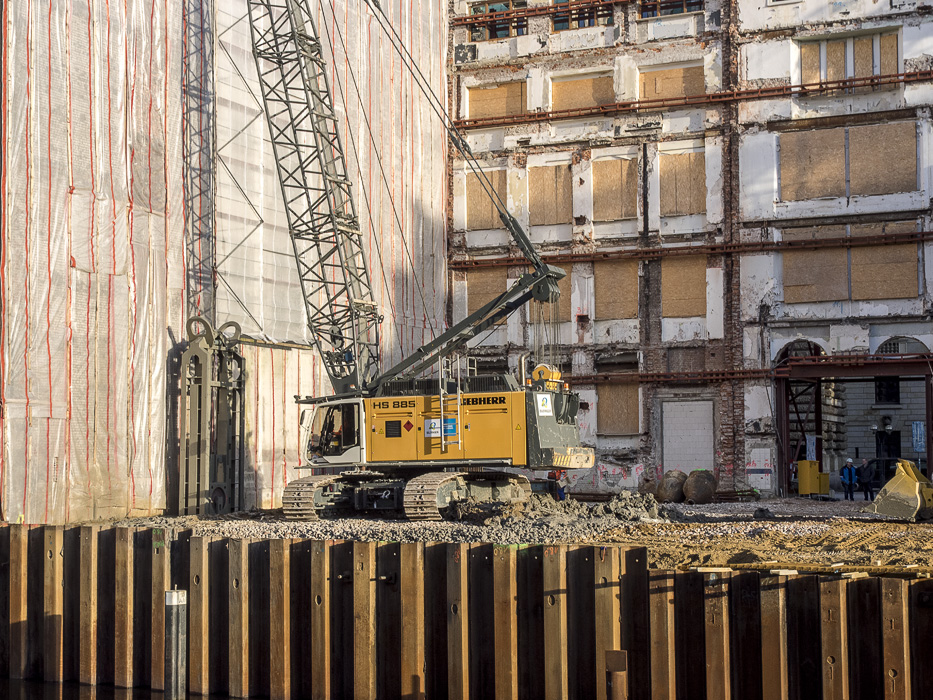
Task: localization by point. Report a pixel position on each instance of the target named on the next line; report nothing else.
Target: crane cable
(382, 172)
(453, 132)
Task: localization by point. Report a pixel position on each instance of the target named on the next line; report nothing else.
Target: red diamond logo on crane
(408, 425)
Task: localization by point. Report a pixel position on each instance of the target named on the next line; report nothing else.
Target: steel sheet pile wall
(92, 266)
(139, 188)
(403, 217)
(303, 618)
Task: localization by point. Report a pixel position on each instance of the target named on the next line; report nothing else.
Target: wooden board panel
(550, 195)
(716, 636)
(883, 158)
(412, 608)
(501, 101)
(123, 603)
(921, 630)
(895, 638)
(364, 620)
(671, 83)
(745, 629)
(458, 632)
(813, 164)
(161, 573)
(480, 210)
(484, 285)
(53, 605)
(238, 621)
(889, 54)
(810, 62)
(663, 648)
(774, 629)
(864, 54)
(88, 657)
(804, 653)
(554, 602)
(836, 60)
(617, 409)
(199, 646)
(280, 615)
(834, 639)
(582, 93)
(615, 189)
(815, 275)
(388, 619)
(530, 623)
(581, 652)
(683, 183)
(683, 286)
(615, 289)
(505, 620)
(689, 630)
(435, 641)
(885, 272)
(864, 599)
(607, 596)
(482, 620)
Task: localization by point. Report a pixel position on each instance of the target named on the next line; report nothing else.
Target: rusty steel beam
(709, 98)
(526, 12)
(657, 253)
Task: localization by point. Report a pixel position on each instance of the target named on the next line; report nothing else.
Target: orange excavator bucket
(908, 495)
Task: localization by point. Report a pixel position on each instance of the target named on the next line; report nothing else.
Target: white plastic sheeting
(94, 267)
(257, 283)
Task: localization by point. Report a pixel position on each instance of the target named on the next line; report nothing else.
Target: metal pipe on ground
(176, 645)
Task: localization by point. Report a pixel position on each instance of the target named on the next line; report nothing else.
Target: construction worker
(848, 476)
(558, 479)
(866, 477)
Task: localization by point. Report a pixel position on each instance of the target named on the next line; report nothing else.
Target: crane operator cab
(334, 434)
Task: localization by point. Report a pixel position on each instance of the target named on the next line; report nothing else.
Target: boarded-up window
(683, 286)
(813, 164)
(885, 272)
(820, 274)
(683, 183)
(671, 83)
(810, 62)
(836, 60)
(615, 288)
(615, 189)
(617, 409)
(829, 60)
(582, 93)
(550, 195)
(883, 158)
(502, 101)
(888, 50)
(480, 206)
(484, 285)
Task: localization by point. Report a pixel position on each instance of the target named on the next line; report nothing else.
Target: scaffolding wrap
(138, 185)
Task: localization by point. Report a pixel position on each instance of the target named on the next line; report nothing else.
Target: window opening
(580, 18)
(662, 8)
(335, 430)
(888, 390)
(501, 28)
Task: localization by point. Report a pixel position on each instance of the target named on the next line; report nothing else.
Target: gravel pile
(540, 520)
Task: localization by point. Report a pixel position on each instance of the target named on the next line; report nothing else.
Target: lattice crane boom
(322, 221)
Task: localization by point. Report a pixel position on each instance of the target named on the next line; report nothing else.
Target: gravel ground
(768, 532)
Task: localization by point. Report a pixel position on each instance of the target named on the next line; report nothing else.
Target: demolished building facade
(728, 185)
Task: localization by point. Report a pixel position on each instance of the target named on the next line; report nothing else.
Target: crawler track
(298, 498)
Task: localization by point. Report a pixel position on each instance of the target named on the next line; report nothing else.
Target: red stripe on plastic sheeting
(92, 227)
(113, 249)
(131, 453)
(69, 330)
(272, 452)
(48, 263)
(3, 250)
(26, 240)
(256, 442)
(149, 237)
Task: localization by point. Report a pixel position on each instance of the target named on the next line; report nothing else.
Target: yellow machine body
(811, 481)
(908, 495)
(410, 428)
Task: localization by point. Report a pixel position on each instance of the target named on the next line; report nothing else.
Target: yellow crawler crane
(394, 439)
(908, 495)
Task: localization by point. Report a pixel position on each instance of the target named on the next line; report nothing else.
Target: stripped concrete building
(740, 193)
